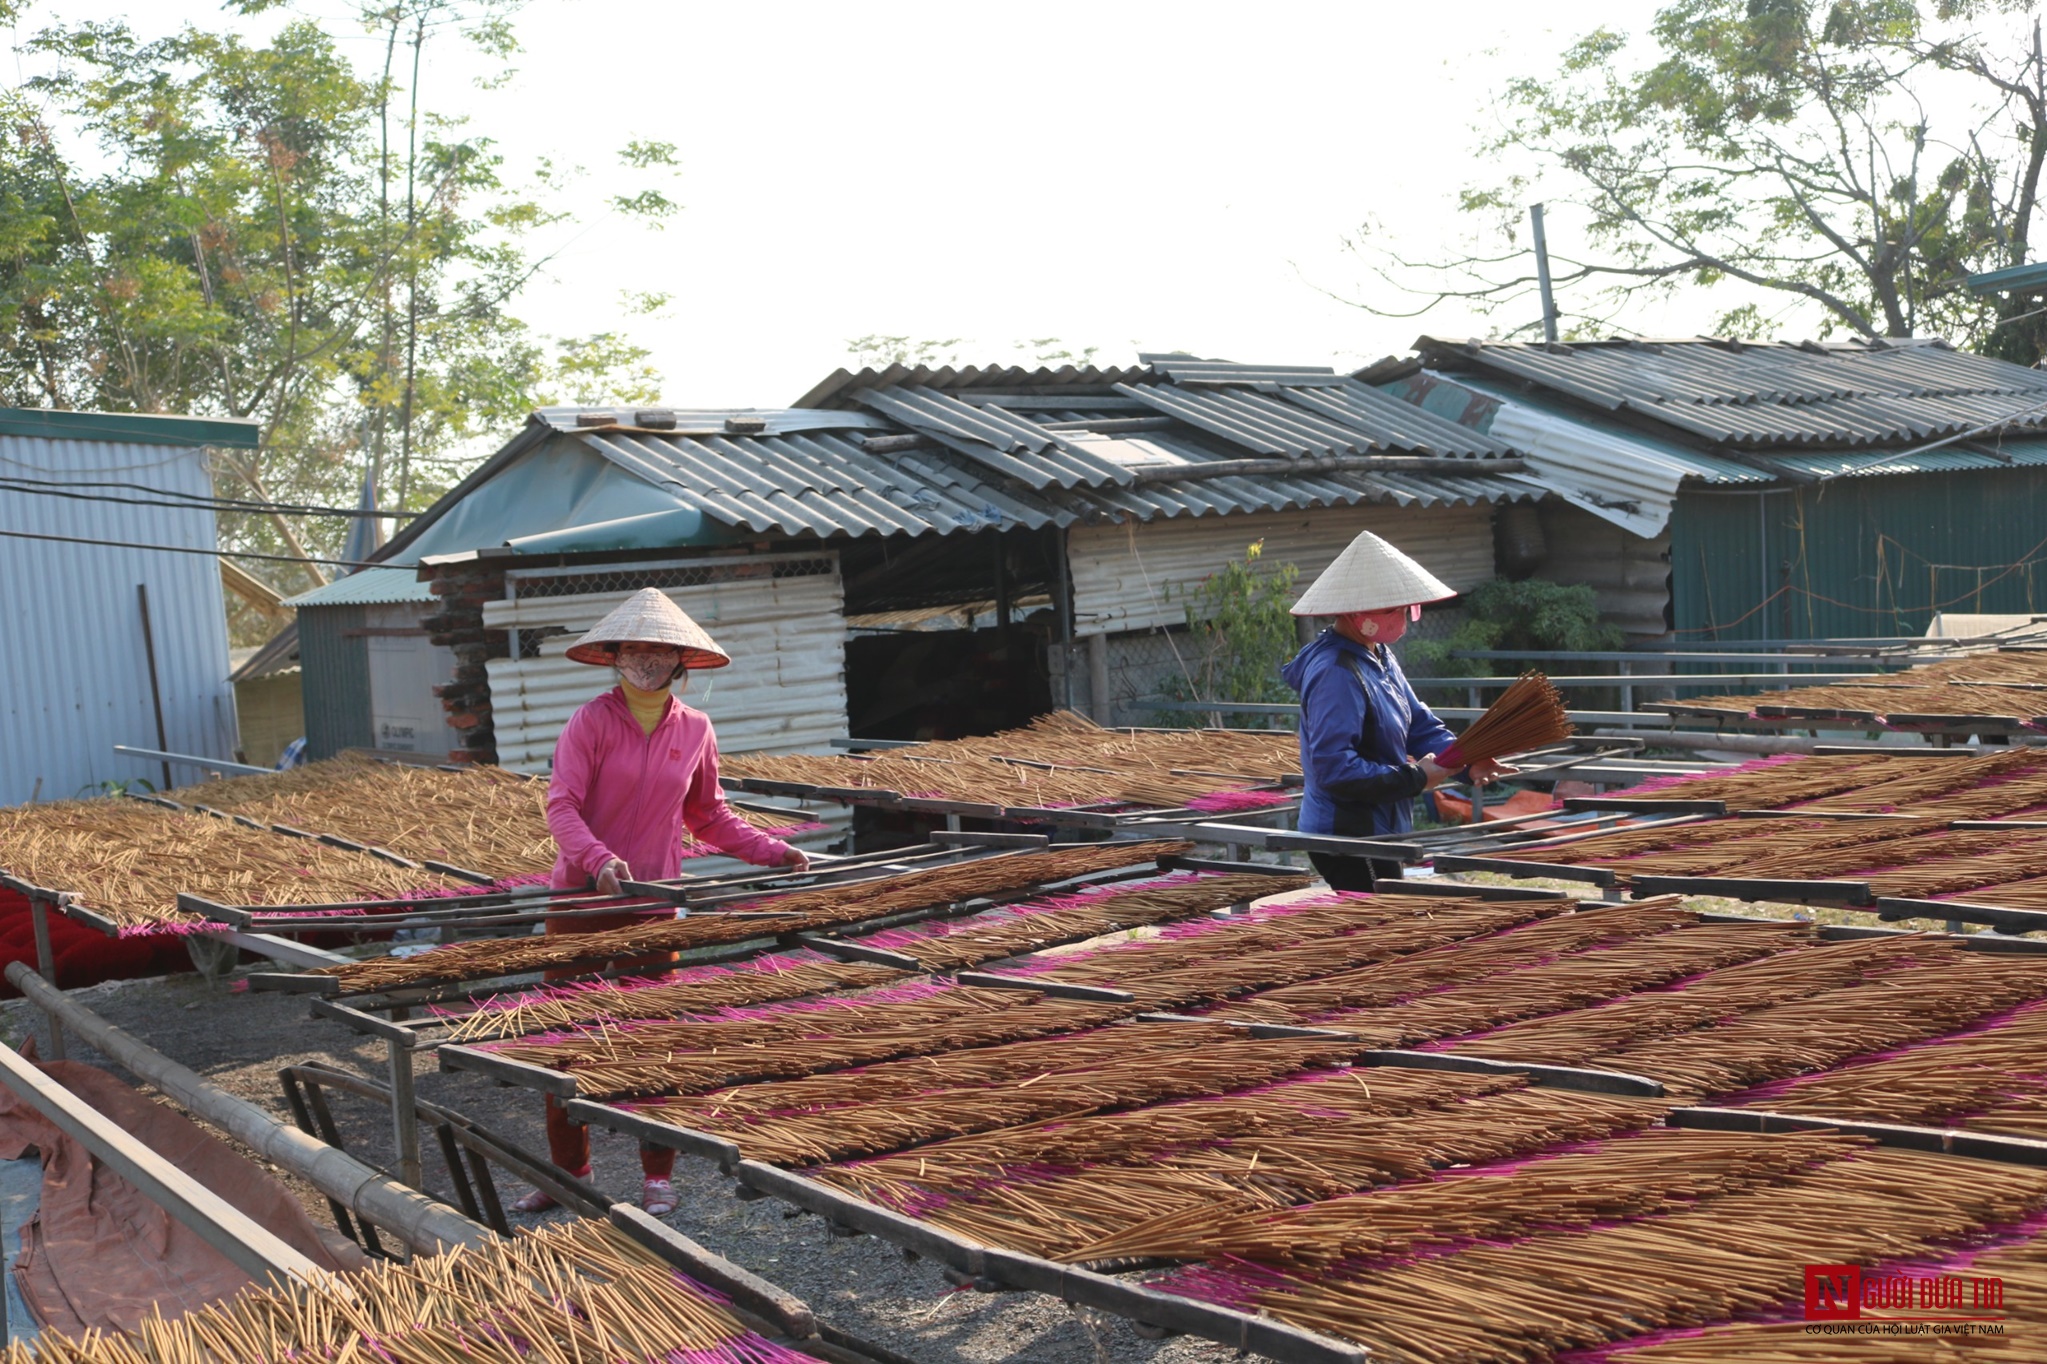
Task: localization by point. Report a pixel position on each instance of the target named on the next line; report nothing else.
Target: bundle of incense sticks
(1001, 932)
(1096, 1072)
(1992, 1079)
(805, 1037)
(1490, 996)
(1657, 1171)
(484, 819)
(1528, 714)
(820, 907)
(1786, 780)
(1726, 1032)
(127, 862)
(1076, 1188)
(1060, 759)
(2020, 1269)
(574, 1291)
(1859, 1208)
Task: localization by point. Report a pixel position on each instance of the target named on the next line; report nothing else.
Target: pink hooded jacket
(618, 793)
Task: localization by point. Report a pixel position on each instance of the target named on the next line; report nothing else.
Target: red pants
(568, 1143)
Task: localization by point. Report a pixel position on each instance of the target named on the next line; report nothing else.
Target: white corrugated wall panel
(1138, 576)
(74, 680)
(784, 693)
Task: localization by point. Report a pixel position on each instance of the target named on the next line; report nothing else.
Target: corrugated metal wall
(335, 669)
(74, 680)
(1629, 575)
(785, 691)
(1137, 576)
(1859, 556)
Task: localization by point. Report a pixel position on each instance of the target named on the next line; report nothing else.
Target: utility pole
(1549, 302)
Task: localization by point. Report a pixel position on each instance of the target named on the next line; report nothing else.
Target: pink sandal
(539, 1200)
(657, 1196)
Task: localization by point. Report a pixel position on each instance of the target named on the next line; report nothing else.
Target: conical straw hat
(1370, 575)
(648, 617)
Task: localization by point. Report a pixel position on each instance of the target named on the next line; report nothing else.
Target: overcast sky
(1122, 175)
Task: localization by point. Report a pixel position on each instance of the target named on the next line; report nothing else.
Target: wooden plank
(1553, 1077)
(246, 1243)
(1646, 805)
(1562, 871)
(1848, 893)
(1057, 989)
(506, 1071)
(671, 1135)
(860, 952)
(294, 983)
(1963, 911)
(280, 949)
(783, 1309)
(1942, 1140)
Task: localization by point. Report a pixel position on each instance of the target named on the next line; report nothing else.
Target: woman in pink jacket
(633, 771)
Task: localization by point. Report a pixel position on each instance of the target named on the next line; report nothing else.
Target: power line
(180, 549)
(168, 497)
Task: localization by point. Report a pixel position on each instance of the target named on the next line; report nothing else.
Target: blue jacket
(1358, 742)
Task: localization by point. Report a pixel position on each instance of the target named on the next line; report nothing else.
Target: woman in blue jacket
(1368, 744)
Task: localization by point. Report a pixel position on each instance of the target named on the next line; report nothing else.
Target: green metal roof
(133, 428)
(368, 587)
(2019, 454)
(2031, 276)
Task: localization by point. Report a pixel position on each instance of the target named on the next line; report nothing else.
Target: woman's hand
(797, 859)
(1491, 770)
(1435, 773)
(609, 875)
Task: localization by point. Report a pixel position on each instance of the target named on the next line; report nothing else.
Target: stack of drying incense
(1908, 858)
(573, 1291)
(1298, 942)
(823, 906)
(128, 862)
(1987, 786)
(1521, 1263)
(1992, 1079)
(1006, 931)
(483, 819)
(2008, 686)
(1150, 1182)
(1061, 759)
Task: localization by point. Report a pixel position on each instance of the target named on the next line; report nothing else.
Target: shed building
(1724, 490)
(1054, 521)
(85, 616)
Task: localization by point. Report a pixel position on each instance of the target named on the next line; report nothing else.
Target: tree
(1858, 158)
(1240, 629)
(200, 224)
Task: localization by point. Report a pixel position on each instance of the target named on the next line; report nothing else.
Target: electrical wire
(167, 497)
(180, 549)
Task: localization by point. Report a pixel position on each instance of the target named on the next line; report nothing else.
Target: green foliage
(876, 351)
(203, 224)
(1856, 157)
(1531, 614)
(1239, 631)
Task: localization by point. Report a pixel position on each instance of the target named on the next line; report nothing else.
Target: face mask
(648, 672)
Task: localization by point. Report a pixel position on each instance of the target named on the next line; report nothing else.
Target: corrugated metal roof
(368, 587)
(1623, 477)
(996, 448)
(2023, 454)
(837, 388)
(821, 483)
(131, 428)
(1759, 396)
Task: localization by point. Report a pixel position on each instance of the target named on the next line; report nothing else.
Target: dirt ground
(239, 1040)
